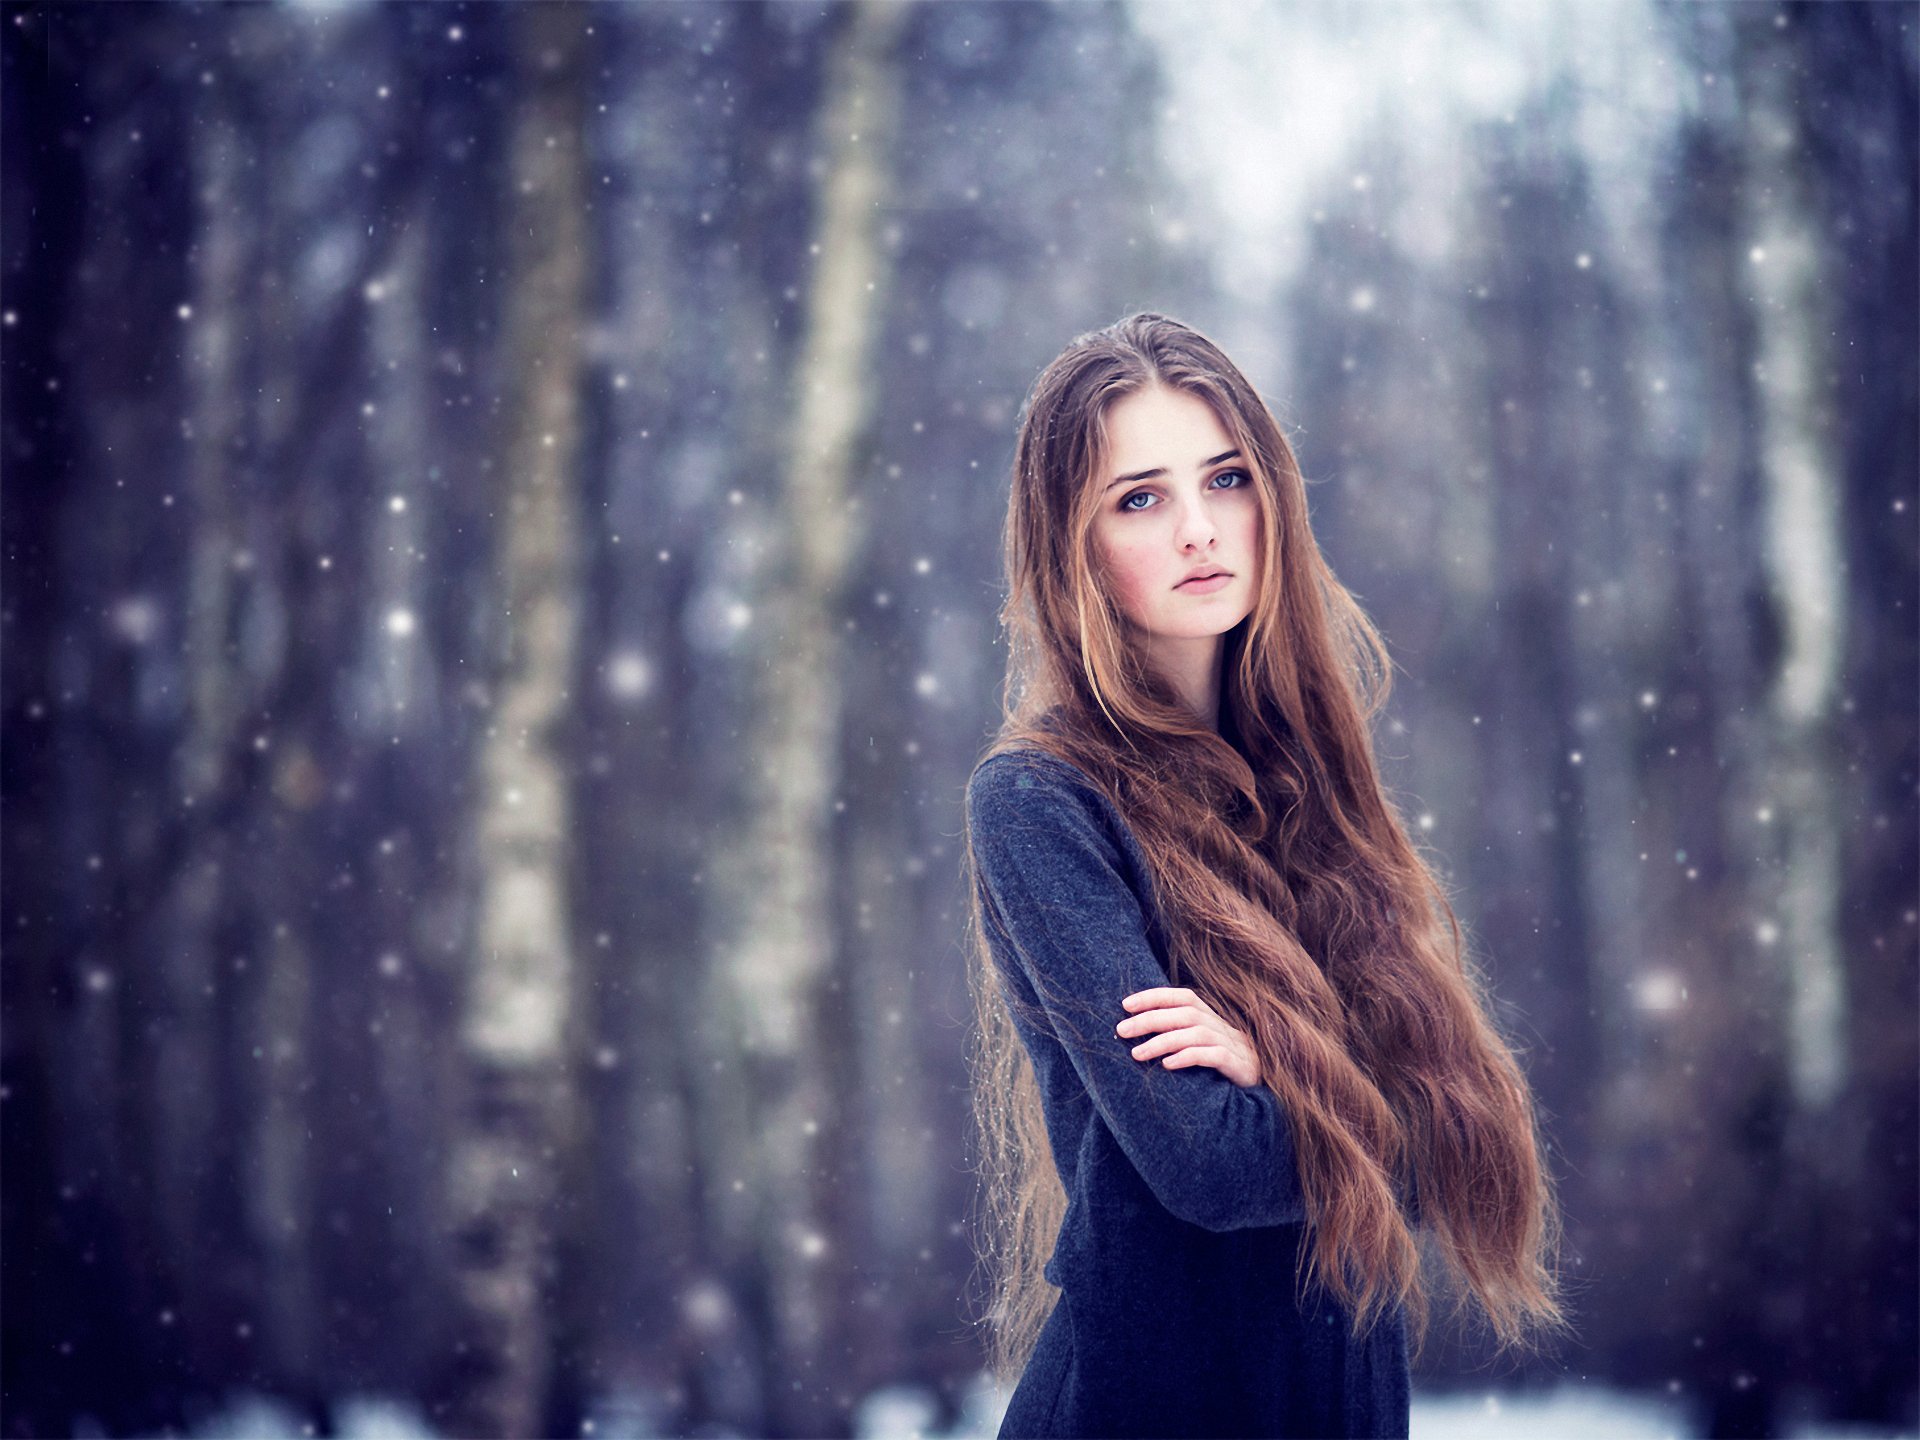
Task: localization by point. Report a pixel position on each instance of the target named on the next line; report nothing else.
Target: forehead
(1162, 428)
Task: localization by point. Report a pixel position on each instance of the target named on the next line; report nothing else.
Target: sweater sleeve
(1216, 1154)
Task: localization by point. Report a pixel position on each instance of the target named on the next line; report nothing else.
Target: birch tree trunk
(779, 940)
(192, 1136)
(1763, 489)
(515, 1139)
(1800, 493)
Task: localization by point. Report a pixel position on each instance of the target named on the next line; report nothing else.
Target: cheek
(1250, 540)
(1127, 574)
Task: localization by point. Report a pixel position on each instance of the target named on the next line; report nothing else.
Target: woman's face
(1177, 496)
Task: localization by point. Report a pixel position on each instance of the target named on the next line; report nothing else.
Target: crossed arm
(1209, 1138)
(1187, 1031)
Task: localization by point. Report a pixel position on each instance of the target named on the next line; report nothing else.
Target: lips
(1207, 574)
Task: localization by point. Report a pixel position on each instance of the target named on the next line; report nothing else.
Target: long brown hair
(1297, 905)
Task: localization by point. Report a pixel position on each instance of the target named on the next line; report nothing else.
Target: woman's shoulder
(1024, 766)
(1029, 787)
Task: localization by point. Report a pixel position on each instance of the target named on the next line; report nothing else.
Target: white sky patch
(1275, 100)
(1269, 110)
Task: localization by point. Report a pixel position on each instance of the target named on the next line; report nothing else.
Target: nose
(1196, 529)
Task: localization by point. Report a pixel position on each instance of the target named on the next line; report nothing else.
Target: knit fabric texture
(1180, 1313)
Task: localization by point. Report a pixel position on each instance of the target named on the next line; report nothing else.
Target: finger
(1164, 1019)
(1160, 995)
(1174, 1040)
(1214, 1055)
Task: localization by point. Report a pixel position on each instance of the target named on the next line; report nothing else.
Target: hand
(1190, 1034)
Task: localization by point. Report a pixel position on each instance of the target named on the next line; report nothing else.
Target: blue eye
(1241, 481)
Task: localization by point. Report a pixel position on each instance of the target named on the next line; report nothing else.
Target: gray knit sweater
(1176, 1260)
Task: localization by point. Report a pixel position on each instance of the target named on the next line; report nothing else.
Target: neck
(1192, 667)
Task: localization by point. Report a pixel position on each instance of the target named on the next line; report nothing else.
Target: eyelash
(1128, 508)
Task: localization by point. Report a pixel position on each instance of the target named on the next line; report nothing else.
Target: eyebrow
(1161, 470)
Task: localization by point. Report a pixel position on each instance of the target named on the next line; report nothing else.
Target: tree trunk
(1800, 492)
(515, 1136)
(781, 941)
(192, 1135)
(1784, 802)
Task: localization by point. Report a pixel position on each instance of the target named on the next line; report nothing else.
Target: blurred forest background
(500, 535)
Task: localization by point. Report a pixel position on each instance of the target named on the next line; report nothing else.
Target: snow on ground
(908, 1412)
(1583, 1412)
(1567, 1413)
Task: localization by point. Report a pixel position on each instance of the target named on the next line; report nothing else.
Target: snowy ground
(908, 1413)
(1575, 1413)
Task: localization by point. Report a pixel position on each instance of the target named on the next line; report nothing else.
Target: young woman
(1229, 1050)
